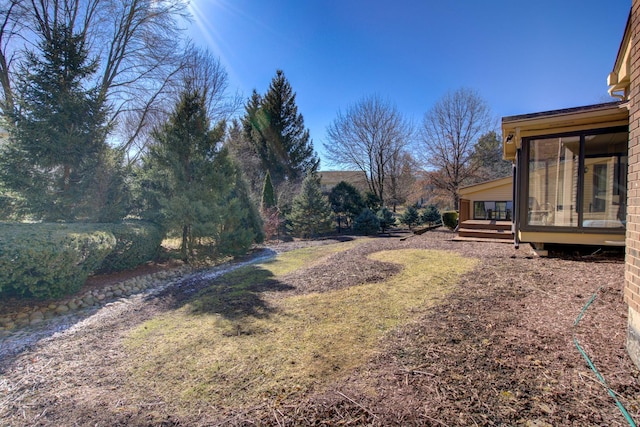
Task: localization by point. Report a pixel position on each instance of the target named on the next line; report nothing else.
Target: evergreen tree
(346, 203)
(431, 215)
(372, 201)
(386, 218)
(58, 138)
(310, 213)
(240, 225)
(487, 159)
(410, 217)
(276, 129)
(193, 186)
(366, 223)
(268, 195)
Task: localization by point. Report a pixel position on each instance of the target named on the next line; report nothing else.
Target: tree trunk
(183, 246)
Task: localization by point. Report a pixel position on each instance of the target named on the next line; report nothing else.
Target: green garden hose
(592, 366)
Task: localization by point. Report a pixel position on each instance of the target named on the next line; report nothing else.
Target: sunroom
(570, 175)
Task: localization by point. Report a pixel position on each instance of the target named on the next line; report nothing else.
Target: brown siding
(632, 265)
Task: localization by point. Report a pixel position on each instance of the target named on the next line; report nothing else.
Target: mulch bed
(499, 350)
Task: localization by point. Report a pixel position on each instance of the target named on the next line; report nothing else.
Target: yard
(418, 330)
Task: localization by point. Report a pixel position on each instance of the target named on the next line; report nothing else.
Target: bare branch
(367, 138)
(449, 133)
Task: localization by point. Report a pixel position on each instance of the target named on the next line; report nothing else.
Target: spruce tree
(366, 223)
(410, 217)
(431, 215)
(57, 139)
(241, 224)
(386, 218)
(310, 212)
(276, 129)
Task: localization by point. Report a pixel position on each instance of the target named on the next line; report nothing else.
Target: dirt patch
(498, 351)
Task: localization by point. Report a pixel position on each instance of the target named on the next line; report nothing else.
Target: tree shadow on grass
(237, 294)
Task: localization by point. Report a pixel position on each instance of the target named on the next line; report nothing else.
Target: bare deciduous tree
(368, 137)
(449, 133)
(402, 177)
(203, 71)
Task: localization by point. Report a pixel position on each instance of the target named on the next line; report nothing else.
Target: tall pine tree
(193, 186)
(182, 160)
(58, 132)
(276, 130)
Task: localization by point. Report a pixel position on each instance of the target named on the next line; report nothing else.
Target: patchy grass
(307, 257)
(240, 342)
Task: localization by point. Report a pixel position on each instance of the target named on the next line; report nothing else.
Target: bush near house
(450, 219)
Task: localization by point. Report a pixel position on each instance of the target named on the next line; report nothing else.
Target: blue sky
(520, 56)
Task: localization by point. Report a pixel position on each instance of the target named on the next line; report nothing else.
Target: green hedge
(450, 219)
(137, 242)
(50, 260)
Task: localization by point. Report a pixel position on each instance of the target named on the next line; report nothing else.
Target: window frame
(523, 182)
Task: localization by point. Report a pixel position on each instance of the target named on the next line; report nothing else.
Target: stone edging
(34, 315)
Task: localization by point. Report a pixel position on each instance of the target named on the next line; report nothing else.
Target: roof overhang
(597, 116)
(619, 79)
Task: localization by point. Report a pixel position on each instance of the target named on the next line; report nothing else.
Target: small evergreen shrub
(450, 219)
(430, 215)
(50, 260)
(366, 223)
(386, 219)
(137, 242)
(311, 212)
(410, 217)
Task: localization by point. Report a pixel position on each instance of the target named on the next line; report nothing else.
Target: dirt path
(499, 351)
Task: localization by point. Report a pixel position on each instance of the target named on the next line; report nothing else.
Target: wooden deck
(485, 229)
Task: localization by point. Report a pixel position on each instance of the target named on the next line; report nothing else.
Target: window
(491, 210)
(577, 180)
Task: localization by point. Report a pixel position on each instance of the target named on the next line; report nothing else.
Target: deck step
(486, 225)
(485, 233)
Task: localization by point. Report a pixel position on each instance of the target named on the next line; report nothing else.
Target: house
(577, 173)
(486, 210)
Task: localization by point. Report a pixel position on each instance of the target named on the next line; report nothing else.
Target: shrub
(137, 242)
(366, 223)
(386, 219)
(50, 260)
(431, 215)
(410, 217)
(311, 212)
(450, 219)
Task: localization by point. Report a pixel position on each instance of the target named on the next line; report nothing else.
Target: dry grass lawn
(278, 343)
